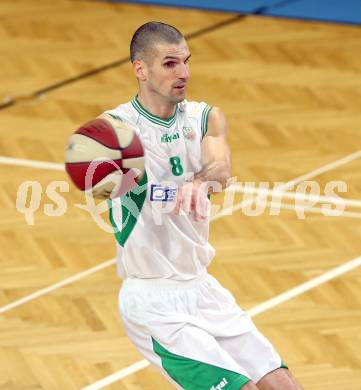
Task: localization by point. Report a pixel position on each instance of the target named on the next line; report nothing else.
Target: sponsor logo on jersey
(188, 132)
(220, 385)
(169, 137)
(159, 193)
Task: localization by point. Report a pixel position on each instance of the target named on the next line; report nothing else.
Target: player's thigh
(253, 352)
(189, 356)
(280, 379)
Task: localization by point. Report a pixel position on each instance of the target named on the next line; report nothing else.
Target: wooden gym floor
(292, 94)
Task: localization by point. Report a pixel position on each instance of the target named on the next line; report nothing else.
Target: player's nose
(184, 73)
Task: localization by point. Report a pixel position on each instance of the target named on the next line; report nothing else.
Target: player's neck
(155, 106)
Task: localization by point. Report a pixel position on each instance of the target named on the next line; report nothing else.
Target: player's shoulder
(121, 112)
(197, 112)
(124, 112)
(194, 108)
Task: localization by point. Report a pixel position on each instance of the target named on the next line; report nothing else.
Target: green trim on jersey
(194, 375)
(132, 203)
(111, 218)
(153, 118)
(204, 120)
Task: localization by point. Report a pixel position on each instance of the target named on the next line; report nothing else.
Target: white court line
(254, 311)
(224, 212)
(264, 192)
(304, 287)
(117, 376)
(303, 210)
(328, 167)
(292, 183)
(20, 162)
(55, 286)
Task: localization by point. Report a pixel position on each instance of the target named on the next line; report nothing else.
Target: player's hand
(192, 200)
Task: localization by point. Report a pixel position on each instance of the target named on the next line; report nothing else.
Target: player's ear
(140, 70)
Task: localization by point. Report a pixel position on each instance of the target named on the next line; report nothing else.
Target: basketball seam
(87, 161)
(96, 140)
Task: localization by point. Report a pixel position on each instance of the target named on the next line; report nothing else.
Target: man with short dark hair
(149, 34)
(176, 314)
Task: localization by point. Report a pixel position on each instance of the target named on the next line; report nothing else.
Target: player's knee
(294, 385)
(280, 379)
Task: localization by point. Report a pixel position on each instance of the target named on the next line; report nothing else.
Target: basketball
(105, 158)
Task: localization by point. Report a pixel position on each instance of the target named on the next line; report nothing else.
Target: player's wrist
(215, 176)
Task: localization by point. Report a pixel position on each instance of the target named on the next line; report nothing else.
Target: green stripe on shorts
(194, 375)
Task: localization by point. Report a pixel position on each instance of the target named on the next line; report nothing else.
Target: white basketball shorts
(195, 333)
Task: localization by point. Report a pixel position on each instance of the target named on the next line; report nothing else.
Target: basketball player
(176, 314)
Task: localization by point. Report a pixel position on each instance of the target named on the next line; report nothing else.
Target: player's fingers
(194, 208)
(177, 202)
(203, 206)
(199, 203)
(206, 204)
(187, 193)
(202, 202)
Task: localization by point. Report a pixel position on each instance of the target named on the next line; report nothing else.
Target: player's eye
(169, 64)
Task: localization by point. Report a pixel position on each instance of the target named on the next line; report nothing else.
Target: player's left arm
(216, 169)
(216, 153)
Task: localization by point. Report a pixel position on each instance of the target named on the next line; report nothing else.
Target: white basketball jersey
(153, 242)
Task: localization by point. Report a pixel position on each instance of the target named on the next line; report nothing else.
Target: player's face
(169, 71)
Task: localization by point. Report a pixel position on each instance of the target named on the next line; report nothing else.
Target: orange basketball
(105, 157)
